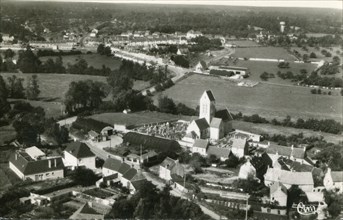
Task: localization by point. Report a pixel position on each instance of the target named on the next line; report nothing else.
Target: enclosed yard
(268, 100)
(94, 60)
(264, 52)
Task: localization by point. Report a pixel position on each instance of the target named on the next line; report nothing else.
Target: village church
(211, 124)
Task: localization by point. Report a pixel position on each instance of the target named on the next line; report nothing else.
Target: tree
(28, 62)
(233, 161)
(32, 88)
(305, 57)
(119, 82)
(4, 105)
(100, 49)
(16, 89)
(166, 105)
(9, 54)
(84, 177)
(336, 60)
(313, 55)
(334, 202)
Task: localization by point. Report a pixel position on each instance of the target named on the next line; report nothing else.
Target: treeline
(81, 67)
(167, 105)
(42, 53)
(324, 125)
(143, 205)
(203, 44)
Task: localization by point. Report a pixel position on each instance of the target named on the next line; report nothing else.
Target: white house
(199, 127)
(201, 67)
(333, 180)
(239, 146)
(278, 194)
(246, 170)
(33, 164)
(78, 154)
(169, 167)
(200, 147)
(293, 153)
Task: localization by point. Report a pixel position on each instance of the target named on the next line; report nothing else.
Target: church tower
(207, 106)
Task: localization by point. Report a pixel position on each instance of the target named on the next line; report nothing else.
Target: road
(175, 192)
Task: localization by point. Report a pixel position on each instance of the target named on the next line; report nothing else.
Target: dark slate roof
(202, 124)
(224, 114)
(88, 210)
(25, 164)
(111, 177)
(168, 163)
(286, 151)
(150, 142)
(112, 164)
(210, 95)
(124, 168)
(90, 124)
(79, 150)
(138, 183)
(129, 174)
(261, 163)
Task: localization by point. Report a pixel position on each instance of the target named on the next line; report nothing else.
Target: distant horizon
(330, 4)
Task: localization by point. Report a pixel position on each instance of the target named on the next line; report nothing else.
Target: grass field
(268, 100)
(273, 129)
(243, 43)
(264, 52)
(136, 118)
(94, 60)
(318, 53)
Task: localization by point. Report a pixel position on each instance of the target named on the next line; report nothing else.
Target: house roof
(79, 150)
(151, 142)
(168, 163)
(202, 123)
(124, 167)
(276, 186)
(200, 143)
(34, 152)
(261, 163)
(337, 176)
(112, 164)
(286, 151)
(26, 165)
(129, 174)
(93, 133)
(233, 68)
(137, 184)
(224, 114)
(110, 177)
(218, 151)
(215, 123)
(209, 93)
(239, 143)
(289, 177)
(88, 210)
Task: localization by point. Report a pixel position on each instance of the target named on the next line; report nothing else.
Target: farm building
(169, 167)
(293, 153)
(229, 71)
(33, 164)
(201, 67)
(220, 152)
(78, 154)
(200, 147)
(136, 140)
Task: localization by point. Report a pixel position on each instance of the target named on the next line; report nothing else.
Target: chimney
(16, 156)
(304, 149)
(49, 161)
(55, 162)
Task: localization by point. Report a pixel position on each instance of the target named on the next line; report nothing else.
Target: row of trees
(151, 203)
(14, 88)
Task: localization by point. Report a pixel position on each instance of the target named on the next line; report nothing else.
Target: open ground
(267, 100)
(264, 52)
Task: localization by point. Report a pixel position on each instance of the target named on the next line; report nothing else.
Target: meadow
(267, 100)
(94, 60)
(320, 56)
(264, 52)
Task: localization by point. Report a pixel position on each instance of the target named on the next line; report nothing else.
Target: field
(264, 52)
(94, 60)
(243, 43)
(268, 100)
(318, 53)
(136, 118)
(273, 129)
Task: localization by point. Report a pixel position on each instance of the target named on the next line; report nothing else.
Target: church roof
(202, 123)
(215, 123)
(210, 94)
(224, 114)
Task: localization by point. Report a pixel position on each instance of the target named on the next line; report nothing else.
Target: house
(229, 71)
(200, 147)
(220, 152)
(211, 123)
(239, 146)
(278, 194)
(116, 171)
(33, 164)
(193, 34)
(333, 180)
(137, 160)
(293, 153)
(201, 67)
(288, 178)
(169, 167)
(86, 212)
(78, 154)
(247, 170)
(182, 51)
